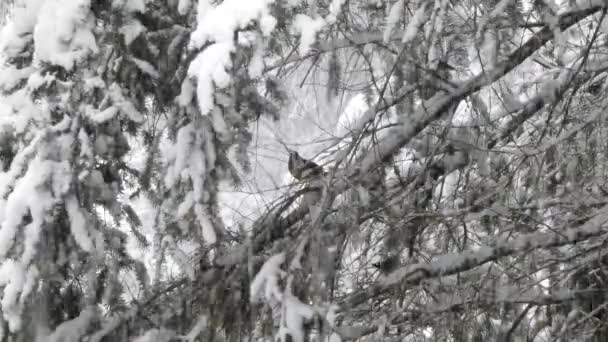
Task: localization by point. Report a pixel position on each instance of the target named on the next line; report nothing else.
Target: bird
(388, 265)
(301, 168)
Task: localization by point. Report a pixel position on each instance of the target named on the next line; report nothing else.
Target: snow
(42, 184)
(188, 163)
(130, 5)
(26, 195)
(193, 165)
(335, 337)
(355, 117)
(12, 277)
(266, 281)
(267, 24)
(63, 34)
(31, 236)
(186, 205)
(293, 312)
(218, 23)
(31, 280)
(352, 120)
(178, 155)
(131, 30)
(186, 94)
(451, 263)
(432, 109)
(331, 315)
(201, 323)
(147, 212)
(183, 6)
(416, 22)
(207, 228)
(18, 284)
(74, 329)
(584, 4)
(14, 35)
(155, 335)
(308, 28)
(21, 103)
(78, 224)
(488, 50)
(209, 68)
(93, 82)
(36, 81)
(334, 10)
(181, 258)
(11, 76)
(126, 107)
(296, 313)
(103, 116)
(196, 169)
(202, 10)
(146, 67)
(136, 5)
(392, 19)
(12, 42)
(256, 66)
(220, 128)
(7, 179)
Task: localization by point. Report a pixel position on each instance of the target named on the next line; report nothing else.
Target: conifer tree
(465, 201)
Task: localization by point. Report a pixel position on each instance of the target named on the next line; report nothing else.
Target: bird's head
(294, 155)
(295, 164)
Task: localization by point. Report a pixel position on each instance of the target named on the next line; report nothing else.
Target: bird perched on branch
(309, 172)
(388, 265)
(301, 168)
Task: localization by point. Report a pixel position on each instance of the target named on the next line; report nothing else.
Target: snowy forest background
(145, 194)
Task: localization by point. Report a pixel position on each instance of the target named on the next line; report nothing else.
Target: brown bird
(388, 265)
(301, 168)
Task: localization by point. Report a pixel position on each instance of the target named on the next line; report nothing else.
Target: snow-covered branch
(433, 109)
(403, 317)
(449, 264)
